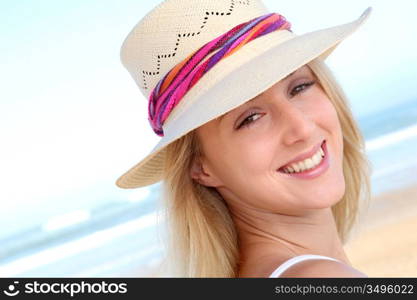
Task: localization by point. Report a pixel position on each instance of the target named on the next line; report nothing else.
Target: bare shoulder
(321, 268)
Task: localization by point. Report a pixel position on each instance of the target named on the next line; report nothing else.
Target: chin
(330, 190)
(330, 197)
(327, 196)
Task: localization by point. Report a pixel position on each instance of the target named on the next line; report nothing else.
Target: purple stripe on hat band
(215, 58)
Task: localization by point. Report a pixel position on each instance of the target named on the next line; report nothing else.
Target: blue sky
(73, 120)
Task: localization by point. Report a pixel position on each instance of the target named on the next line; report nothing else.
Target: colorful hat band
(179, 80)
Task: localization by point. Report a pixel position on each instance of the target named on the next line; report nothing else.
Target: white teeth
(296, 168)
(306, 164)
(316, 158)
(301, 166)
(309, 163)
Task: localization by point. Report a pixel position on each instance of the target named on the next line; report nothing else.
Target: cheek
(326, 118)
(241, 164)
(329, 121)
(244, 157)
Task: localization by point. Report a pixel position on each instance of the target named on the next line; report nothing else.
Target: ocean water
(391, 146)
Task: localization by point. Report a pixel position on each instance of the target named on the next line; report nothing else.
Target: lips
(302, 156)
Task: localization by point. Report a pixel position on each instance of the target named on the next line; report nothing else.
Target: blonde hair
(202, 236)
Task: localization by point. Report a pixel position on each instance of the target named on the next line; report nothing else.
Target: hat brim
(259, 64)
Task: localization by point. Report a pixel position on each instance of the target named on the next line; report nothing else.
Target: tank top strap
(296, 259)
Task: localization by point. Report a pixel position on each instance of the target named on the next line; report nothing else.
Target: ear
(203, 175)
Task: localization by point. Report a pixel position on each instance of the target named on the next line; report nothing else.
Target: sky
(72, 119)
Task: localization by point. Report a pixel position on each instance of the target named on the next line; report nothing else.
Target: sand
(384, 242)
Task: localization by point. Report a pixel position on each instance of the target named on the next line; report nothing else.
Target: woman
(261, 160)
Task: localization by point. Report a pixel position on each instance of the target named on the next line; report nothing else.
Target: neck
(312, 232)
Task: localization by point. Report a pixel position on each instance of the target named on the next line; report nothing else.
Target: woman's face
(268, 153)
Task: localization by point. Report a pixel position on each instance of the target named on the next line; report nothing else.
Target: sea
(391, 146)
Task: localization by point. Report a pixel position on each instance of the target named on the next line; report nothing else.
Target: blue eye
(253, 116)
(301, 87)
(250, 119)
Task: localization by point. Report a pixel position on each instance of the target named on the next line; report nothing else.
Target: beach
(384, 241)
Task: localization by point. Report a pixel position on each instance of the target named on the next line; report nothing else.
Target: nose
(296, 125)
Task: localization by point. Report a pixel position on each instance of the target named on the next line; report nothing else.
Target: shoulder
(321, 268)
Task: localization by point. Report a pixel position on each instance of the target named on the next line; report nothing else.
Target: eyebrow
(225, 114)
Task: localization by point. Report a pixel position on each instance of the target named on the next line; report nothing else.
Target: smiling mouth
(306, 162)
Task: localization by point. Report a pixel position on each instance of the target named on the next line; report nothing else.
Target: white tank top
(292, 261)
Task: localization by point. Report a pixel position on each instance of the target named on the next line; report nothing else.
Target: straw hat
(190, 58)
